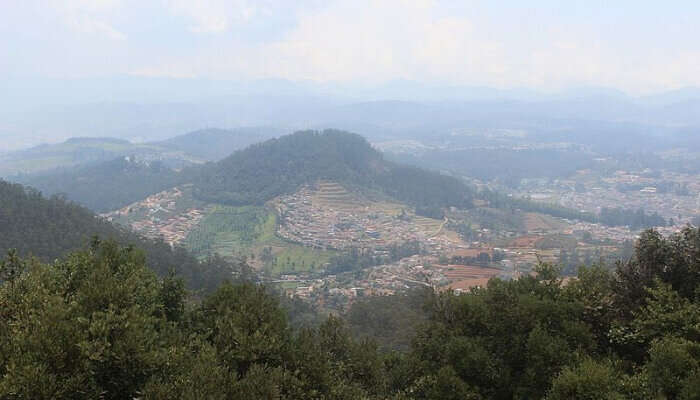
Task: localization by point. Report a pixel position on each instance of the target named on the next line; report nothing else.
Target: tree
(589, 380)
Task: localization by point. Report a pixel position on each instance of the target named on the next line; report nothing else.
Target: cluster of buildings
(306, 220)
(629, 190)
(158, 216)
(338, 291)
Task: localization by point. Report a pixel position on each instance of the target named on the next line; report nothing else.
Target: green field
(250, 231)
(294, 258)
(228, 231)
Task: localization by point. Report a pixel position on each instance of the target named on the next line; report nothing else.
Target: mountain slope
(107, 185)
(48, 228)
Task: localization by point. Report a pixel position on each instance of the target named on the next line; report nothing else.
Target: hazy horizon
(150, 70)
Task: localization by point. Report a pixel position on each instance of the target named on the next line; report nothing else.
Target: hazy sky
(637, 46)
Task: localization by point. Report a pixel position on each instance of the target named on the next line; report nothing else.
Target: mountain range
(398, 110)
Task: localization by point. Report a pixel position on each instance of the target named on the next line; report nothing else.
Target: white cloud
(212, 16)
(89, 16)
(87, 24)
(365, 41)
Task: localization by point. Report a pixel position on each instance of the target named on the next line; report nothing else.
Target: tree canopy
(48, 228)
(100, 324)
(279, 166)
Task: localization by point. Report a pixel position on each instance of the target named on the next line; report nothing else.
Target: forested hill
(277, 166)
(48, 228)
(108, 185)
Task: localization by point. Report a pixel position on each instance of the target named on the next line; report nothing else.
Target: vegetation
(634, 219)
(72, 152)
(249, 232)
(227, 229)
(49, 228)
(100, 324)
(107, 185)
(280, 166)
(608, 216)
(356, 259)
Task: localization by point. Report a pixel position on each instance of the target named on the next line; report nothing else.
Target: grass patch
(250, 231)
(227, 230)
(293, 258)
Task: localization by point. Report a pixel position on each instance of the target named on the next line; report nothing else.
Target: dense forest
(48, 228)
(109, 185)
(99, 324)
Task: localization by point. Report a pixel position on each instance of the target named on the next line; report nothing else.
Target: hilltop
(280, 166)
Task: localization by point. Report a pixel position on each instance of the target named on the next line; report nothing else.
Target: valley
(324, 216)
(331, 245)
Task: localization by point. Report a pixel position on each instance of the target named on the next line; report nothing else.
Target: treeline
(356, 259)
(634, 219)
(48, 228)
(500, 200)
(100, 324)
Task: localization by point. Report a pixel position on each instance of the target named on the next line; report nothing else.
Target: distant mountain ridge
(192, 147)
(263, 171)
(213, 144)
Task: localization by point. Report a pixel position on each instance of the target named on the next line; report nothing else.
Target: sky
(636, 46)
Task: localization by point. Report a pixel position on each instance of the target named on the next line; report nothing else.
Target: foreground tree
(100, 324)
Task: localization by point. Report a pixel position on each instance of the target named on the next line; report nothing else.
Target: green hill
(48, 228)
(106, 185)
(280, 166)
(72, 152)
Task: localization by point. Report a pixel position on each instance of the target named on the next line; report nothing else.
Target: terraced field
(429, 225)
(334, 196)
(534, 221)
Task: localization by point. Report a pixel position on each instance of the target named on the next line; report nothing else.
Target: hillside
(108, 185)
(48, 228)
(105, 174)
(73, 152)
(280, 166)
